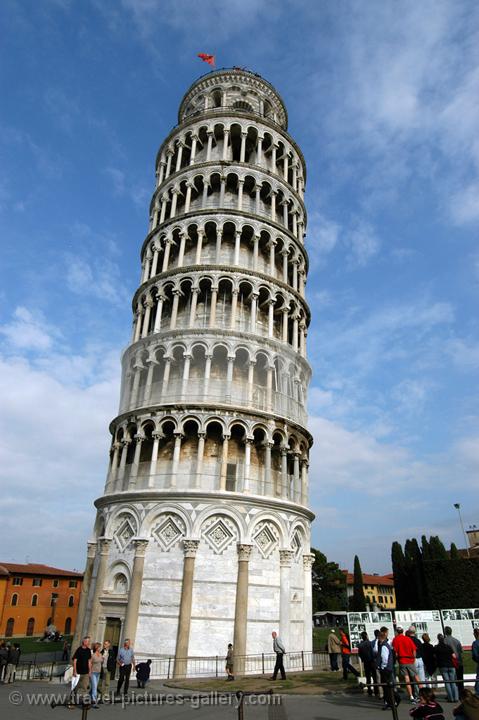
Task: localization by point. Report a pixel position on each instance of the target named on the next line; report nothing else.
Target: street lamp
(458, 508)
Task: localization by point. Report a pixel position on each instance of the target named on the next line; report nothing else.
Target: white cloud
(54, 443)
(27, 332)
(465, 204)
(364, 244)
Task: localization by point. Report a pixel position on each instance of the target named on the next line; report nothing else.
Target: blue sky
(383, 98)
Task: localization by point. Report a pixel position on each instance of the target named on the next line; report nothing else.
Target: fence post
(302, 659)
(262, 663)
(51, 670)
(216, 664)
(240, 697)
(394, 709)
(169, 664)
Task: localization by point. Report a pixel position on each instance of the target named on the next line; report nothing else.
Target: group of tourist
(416, 662)
(9, 659)
(95, 664)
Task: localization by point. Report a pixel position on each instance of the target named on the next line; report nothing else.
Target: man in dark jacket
(365, 652)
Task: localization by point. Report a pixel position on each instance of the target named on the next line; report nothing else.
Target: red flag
(210, 59)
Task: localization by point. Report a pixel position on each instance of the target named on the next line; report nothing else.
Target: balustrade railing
(213, 391)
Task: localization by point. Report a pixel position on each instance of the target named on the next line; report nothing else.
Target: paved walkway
(31, 701)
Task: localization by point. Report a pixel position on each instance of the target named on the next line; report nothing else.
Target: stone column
(194, 140)
(184, 619)
(134, 595)
(104, 548)
(162, 172)
(259, 152)
(254, 301)
(224, 461)
(179, 156)
(174, 200)
(304, 482)
(186, 373)
(214, 297)
(121, 470)
(241, 609)
(273, 205)
(169, 155)
(226, 132)
(285, 561)
(110, 484)
(270, 318)
(296, 494)
(285, 324)
(176, 458)
(188, 197)
(85, 588)
(210, 145)
(272, 264)
(219, 240)
(166, 377)
(243, 147)
(136, 462)
(251, 367)
(194, 302)
(240, 193)
(199, 245)
(268, 487)
(174, 309)
(154, 458)
(159, 312)
(149, 380)
(181, 251)
(234, 307)
(285, 253)
(154, 263)
(237, 248)
(247, 462)
(199, 460)
(308, 561)
(166, 255)
(208, 358)
(284, 472)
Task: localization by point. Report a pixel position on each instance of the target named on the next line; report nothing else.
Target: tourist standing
(429, 659)
(405, 651)
(229, 663)
(126, 662)
(13, 659)
(96, 666)
(107, 667)
(444, 659)
(365, 652)
(279, 649)
(475, 657)
(82, 665)
(3, 659)
(334, 649)
(420, 668)
(385, 664)
(456, 648)
(346, 655)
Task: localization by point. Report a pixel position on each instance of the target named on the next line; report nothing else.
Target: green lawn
(29, 645)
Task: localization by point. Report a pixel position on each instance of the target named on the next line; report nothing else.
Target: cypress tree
(358, 601)
(454, 553)
(438, 551)
(400, 580)
(425, 549)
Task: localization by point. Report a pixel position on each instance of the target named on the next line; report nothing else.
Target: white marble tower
(202, 535)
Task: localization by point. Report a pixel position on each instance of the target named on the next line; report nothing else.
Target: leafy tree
(358, 601)
(329, 584)
(452, 583)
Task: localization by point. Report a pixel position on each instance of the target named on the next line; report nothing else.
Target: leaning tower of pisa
(202, 535)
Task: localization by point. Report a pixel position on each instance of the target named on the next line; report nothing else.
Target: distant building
(34, 596)
(378, 590)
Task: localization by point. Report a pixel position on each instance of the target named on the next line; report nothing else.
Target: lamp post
(458, 508)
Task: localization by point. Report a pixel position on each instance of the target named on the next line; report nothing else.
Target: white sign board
(425, 621)
(462, 623)
(368, 621)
